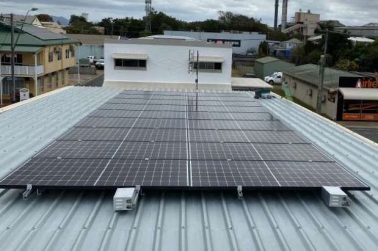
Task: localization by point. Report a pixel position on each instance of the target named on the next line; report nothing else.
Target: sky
(348, 12)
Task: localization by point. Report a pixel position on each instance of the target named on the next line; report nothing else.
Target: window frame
(209, 67)
(139, 65)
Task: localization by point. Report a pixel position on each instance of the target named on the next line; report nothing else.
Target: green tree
(45, 18)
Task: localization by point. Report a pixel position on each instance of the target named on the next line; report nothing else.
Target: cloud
(350, 12)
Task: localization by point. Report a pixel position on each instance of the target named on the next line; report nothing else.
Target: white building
(158, 62)
(242, 42)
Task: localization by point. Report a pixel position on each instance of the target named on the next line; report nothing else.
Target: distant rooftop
(310, 73)
(171, 42)
(31, 36)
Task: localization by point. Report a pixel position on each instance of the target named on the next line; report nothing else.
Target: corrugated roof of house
(310, 73)
(89, 39)
(167, 41)
(265, 60)
(32, 36)
(68, 220)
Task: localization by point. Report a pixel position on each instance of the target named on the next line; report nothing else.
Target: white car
(100, 64)
(91, 59)
(274, 79)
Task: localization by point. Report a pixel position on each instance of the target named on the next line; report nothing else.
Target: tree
(263, 49)
(45, 18)
(79, 25)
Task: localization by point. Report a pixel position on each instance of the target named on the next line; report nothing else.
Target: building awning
(209, 59)
(249, 84)
(136, 56)
(21, 49)
(359, 93)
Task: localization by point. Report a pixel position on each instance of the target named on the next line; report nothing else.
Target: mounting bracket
(27, 192)
(240, 192)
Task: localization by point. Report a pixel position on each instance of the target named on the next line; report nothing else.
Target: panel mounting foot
(240, 192)
(27, 192)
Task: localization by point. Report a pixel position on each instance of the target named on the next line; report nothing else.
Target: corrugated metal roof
(310, 73)
(168, 42)
(67, 220)
(265, 60)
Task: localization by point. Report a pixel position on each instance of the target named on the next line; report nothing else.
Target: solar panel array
(181, 140)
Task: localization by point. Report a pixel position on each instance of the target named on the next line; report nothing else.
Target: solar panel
(223, 151)
(106, 122)
(152, 150)
(213, 173)
(150, 135)
(95, 134)
(163, 140)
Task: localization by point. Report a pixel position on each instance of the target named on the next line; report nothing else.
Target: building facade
(42, 60)
(167, 63)
(266, 66)
(303, 83)
(241, 42)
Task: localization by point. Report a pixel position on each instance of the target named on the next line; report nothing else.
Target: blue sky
(349, 12)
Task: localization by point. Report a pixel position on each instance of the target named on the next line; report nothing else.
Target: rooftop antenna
(148, 9)
(194, 66)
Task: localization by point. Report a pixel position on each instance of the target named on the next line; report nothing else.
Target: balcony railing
(22, 70)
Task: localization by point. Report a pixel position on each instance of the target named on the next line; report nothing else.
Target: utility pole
(148, 9)
(323, 60)
(12, 59)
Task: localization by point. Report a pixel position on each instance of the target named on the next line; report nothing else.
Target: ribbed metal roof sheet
(68, 220)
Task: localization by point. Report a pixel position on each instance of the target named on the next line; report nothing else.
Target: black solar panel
(162, 139)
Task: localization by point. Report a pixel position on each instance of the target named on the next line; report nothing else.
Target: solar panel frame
(163, 140)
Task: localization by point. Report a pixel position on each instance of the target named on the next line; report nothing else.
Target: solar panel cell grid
(231, 173)
(109, 134)
(152, 150)
(106, 122)
(149, 135)
(159, 173)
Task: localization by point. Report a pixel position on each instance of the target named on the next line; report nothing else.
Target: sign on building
(24, 94)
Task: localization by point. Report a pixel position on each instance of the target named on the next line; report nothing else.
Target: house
(171, 220)
(367, 30)
(304, 80)
(242, 43)
(53, 27)
(167, 62)
(285, 48)
(266, 66)
(19, 19)
(90, 45)
(42, 60)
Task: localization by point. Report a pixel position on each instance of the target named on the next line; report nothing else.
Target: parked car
(91, 59)
(100, 64)
(274, 79)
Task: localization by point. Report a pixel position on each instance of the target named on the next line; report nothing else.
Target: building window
(51, 56)
(8, 85)
(59, 53)
(208, 66)
(130, 63)
(6, 59)
(67, 53)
